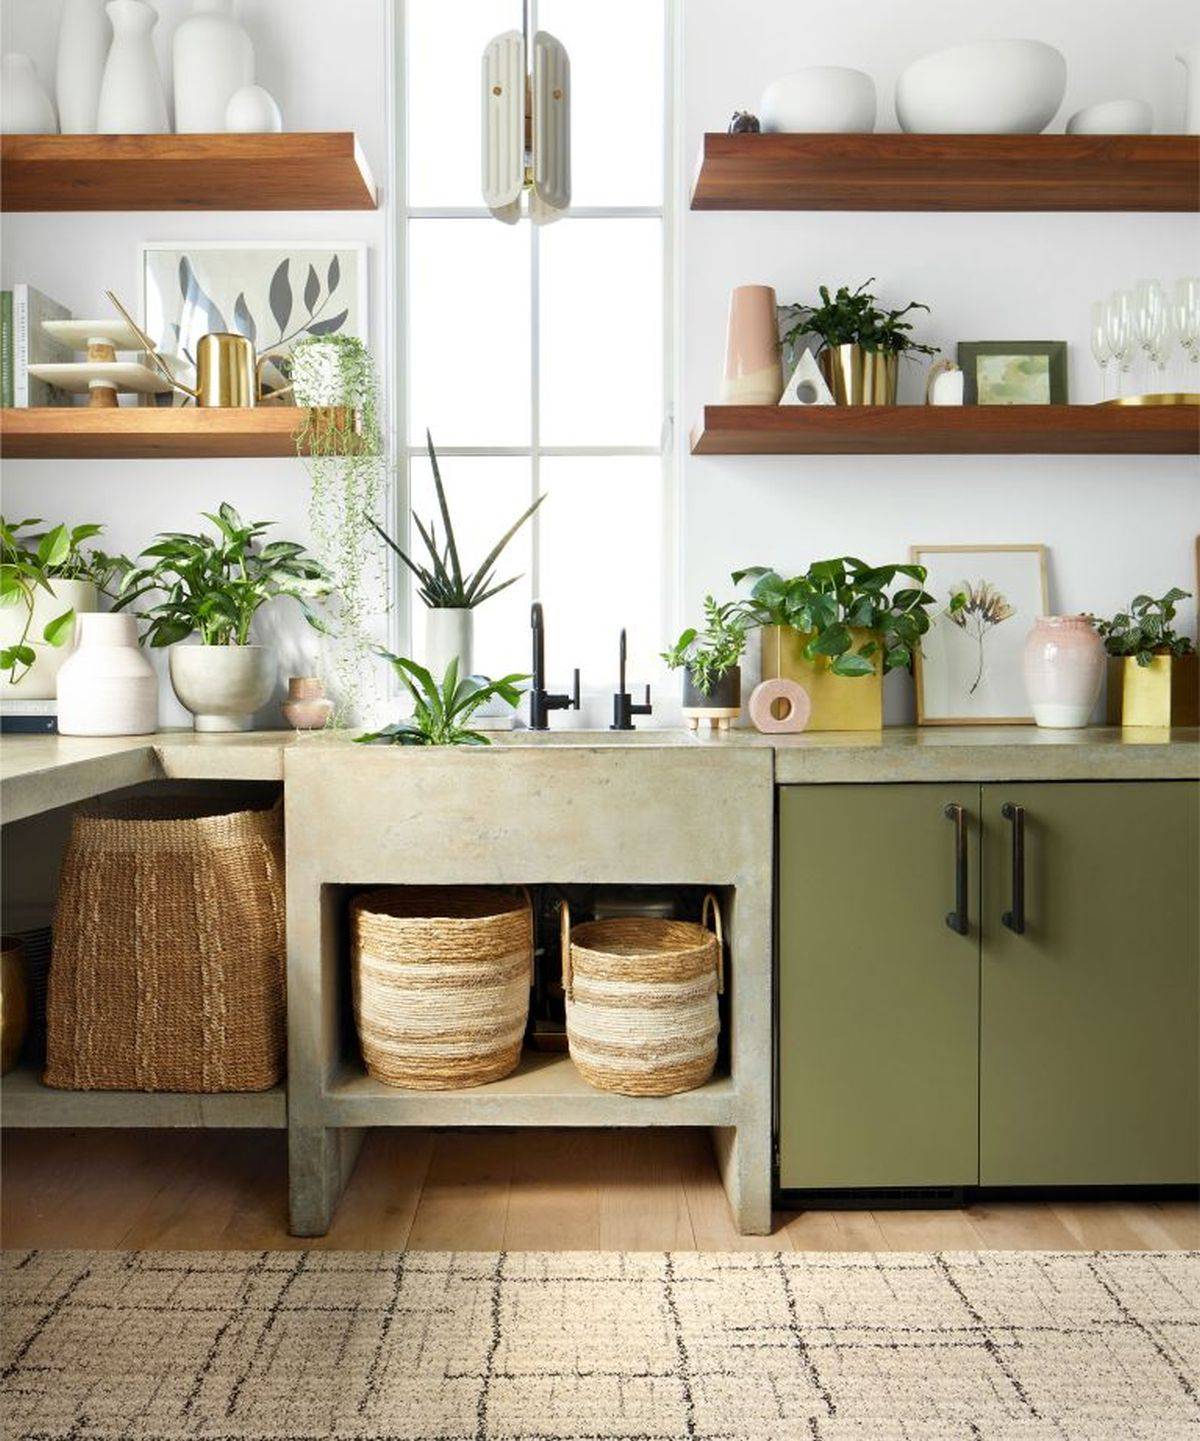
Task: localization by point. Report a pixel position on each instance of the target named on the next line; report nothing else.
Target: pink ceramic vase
(753, 359)
(307, 708)
(1064, 667)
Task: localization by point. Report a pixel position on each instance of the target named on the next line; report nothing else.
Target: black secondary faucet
(541, 703)
(624, 709)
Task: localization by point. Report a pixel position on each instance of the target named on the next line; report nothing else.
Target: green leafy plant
(441, 584)
(851, 317)
(1145, 630)
(712, 652)
(213, 586)
(441, 712)
(834, 596)
(30, 561)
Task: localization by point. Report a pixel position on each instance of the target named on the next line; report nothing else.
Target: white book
(32, 346)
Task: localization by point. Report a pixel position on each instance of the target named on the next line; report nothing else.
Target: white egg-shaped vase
(213, 58)
(223, 685)
(84, 37)
(990, 87)
(132, 101)
(107, 687)
(25, 108)
(253, 111)
(821, 99)
(1113, 117)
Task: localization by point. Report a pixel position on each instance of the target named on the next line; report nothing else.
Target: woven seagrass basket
(441, 981)
(642, 1011)
(167, 970)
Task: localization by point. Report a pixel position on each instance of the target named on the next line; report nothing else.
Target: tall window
(537, 356)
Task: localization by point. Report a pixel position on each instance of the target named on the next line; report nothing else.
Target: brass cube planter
(839, 703)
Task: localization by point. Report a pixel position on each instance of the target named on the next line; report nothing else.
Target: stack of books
(24, 342)
(28, 717)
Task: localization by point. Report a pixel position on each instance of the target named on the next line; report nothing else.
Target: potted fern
(708, 657)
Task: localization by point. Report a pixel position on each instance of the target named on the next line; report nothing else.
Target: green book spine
(6, 349)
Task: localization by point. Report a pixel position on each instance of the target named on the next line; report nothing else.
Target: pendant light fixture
(526, 126)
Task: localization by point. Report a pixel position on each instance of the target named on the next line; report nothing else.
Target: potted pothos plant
(442, 710)
(709, 657)
(1154, 674)
(47, 579)
(837, 629)
(860, 344)
(212, 587)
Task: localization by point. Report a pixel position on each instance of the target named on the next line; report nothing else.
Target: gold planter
(839, 703)
(860, 377)
(1164, 693)
(14, 1003)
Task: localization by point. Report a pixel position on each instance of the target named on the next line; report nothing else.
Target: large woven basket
(642, 1011)
(441, 982)
(167, 972)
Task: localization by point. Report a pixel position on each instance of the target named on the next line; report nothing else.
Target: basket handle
(711, 903)
(532, 937)
(564, 917)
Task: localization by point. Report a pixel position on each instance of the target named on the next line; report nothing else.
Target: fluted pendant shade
(526, 128)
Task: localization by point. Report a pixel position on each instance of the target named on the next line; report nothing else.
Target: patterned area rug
(1029, 1346)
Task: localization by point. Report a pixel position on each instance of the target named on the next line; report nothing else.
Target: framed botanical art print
(1013, 372)
(968, 669)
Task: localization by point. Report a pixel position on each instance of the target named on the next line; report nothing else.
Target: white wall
(1114, 525)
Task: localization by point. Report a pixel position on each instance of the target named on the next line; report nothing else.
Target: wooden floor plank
(1020, 1226)
(708, 1205)
(642, 1202)
(464, 1203)
(554, 1191)
(1103, 1226)
(1181, 1222)
(936, 1230)
(380, 1203)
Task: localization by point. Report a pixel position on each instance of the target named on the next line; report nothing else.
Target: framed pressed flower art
(968, 669)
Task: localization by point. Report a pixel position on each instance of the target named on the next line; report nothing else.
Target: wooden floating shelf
(948, 172)
(948, 430)
(299, 171)
(145, 433)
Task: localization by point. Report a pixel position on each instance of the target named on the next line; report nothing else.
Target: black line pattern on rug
(798, 1341)
(372, 1382)
(681, 1352)
(1126, 1315)
(489, 1360)
(235, 1314)
(989, 1342)
(52, 1312)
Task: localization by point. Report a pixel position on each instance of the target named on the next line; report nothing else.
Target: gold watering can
(228, 374)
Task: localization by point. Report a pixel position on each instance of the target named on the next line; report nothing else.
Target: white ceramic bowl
(992, 87)
(820, 99)
(1113, 117)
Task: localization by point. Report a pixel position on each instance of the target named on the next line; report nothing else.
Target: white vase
(1112, 117)
(39, 681)
(990, 87)
(450, 635)
(223, 685)
(84, 35)
(322, 375)
(213, 59)
(1189, 58)
(131, 93)
(107, 686)
(253, 111)
(822, 98)
(25, 108)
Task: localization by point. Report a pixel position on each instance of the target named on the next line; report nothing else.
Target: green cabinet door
(878, 996)
(1090, 1019)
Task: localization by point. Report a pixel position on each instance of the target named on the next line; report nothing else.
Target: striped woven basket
(642, 1015)
(167, 970)
(441, 981)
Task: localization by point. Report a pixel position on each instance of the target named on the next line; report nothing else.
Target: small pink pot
(1064, 668)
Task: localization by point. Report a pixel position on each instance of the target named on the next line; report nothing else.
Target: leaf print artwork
(280, 295)
(976, 610)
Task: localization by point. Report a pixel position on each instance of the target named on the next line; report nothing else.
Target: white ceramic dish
(79, 377)
(1113, 117)
(820, 99)
(991, 87)
(77, 334)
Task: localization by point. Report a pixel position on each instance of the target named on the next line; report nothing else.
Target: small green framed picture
(1013, 372)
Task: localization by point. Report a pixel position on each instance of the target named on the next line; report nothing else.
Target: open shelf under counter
(138, 432)
(948, 172)
(948, 430)
(544, 1090)
(25, 1103)
(318, 170)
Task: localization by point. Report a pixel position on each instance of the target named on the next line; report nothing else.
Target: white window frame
(404, 448)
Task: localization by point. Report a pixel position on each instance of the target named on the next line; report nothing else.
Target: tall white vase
(449, 635)
(25, 108)
(107, 687)
(84, 36)
(1189, 58)
(213, 59)
(132, 101)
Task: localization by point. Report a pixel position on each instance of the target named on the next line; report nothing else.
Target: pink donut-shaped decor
(797, 707)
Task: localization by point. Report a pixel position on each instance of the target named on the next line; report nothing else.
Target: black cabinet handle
(1015, 919)
(957, 919)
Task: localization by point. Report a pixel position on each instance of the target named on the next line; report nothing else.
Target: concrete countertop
(39, 773)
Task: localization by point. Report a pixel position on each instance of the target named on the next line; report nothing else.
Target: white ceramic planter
(321, 377)
(223, 685)
(84, 36)
(39, 682)
(212, 59)
(107, 686)
(1113, 117)
(992, 87)
(253, 111)
(25, 108)
(131, 94)
(449, 635)
(821, 99)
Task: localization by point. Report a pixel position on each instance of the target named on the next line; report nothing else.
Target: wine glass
(1101, 347)
(1118, 324)
(1185, 311)
(1150, 305)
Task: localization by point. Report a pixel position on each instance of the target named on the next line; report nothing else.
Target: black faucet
(623, 707)
(540, 702)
